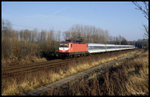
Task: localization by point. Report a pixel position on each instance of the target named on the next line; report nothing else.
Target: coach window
(91, 47)
(102, 47)
(109, 47)
(71, 45)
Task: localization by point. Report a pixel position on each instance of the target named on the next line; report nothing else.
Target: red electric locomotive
(71, 49)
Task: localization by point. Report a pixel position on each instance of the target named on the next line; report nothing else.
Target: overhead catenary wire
(31, 27)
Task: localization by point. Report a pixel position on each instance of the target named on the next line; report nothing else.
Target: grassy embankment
(129, 77)
(17, 86)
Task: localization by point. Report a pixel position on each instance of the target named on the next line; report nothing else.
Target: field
(129, 77)
(19, 85)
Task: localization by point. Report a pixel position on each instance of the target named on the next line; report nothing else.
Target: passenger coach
(96, 48)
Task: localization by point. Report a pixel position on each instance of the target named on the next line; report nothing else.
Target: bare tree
(6, 28)
(86, 34)
(144, 8)
(43, 35)
(34, 35)
(58, 36)
(6, 25)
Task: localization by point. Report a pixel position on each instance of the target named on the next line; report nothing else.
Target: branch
(144, 10)
(146, 29)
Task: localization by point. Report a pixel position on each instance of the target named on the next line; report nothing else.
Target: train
(75, 49)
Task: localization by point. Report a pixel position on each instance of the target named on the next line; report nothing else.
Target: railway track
(32, 68)
(23, 69)
(28, 65)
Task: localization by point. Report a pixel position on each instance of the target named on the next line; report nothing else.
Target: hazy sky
(118, 18)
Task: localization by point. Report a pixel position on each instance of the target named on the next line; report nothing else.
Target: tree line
(28, 43)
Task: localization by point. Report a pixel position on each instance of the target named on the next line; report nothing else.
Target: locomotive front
(64, 47)
(72, 49)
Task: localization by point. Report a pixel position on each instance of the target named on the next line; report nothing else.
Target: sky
(118, 18)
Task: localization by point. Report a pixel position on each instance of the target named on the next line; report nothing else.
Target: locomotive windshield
(63, 45)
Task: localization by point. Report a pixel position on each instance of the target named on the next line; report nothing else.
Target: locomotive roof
(74, 42)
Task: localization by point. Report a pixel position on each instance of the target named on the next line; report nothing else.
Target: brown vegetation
(129, 77)
(19, 85)
(27, 45)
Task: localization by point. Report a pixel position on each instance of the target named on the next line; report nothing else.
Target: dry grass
(24, 61)
(19, 85)
(126, 78)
